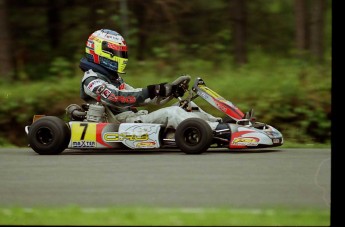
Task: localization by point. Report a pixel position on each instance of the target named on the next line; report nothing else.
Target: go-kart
(93, 126)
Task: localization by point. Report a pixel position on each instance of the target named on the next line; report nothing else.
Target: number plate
(276, 140)
(83, 135)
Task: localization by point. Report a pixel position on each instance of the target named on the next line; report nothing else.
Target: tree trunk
(140, 11)
(53, 23)
(301, 15)
(317, 29)
(6, 66)
(124, 18)
(239, 17)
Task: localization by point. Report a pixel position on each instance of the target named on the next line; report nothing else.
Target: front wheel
(49, 135)
(193, 136)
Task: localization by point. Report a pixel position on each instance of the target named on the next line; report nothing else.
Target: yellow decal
(83, 134)
(146, 144)
(115, 137)
(244, 140)
(209, 91)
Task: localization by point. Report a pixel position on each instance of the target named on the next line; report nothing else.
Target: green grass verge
(148, 216)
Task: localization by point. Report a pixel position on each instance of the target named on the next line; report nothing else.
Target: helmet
(108, 49)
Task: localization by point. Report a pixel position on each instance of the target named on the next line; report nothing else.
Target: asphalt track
(291, 178)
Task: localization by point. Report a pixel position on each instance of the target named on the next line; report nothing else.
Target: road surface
(292, 178)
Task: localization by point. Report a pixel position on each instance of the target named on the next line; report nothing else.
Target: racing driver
(106, 57)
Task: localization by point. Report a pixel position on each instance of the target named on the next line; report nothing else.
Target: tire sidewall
(59, 130)
(204, 132)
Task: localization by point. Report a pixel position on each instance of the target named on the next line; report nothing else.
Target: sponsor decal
(119, 137)
(122, 86)
(93, 84)
(108, 36)
(202, 94)
(276, 140)
(247, 141)
(83, 135)
(90, 44)
(100, 89)
(221, 107)
(122, 99)
(106, 93)
(84, 144)
(116, 47)
(96, 39)
(146, 144)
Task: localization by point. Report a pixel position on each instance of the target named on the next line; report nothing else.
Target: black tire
(49, 135)
(193, 136)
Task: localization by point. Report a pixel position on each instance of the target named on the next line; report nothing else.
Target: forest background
(271, 55)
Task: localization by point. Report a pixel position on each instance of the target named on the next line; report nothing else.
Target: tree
(317, 29)
(309, 27)
(6, 66)
(140, 9)
(155, 17)
(53, 20)
(239, 19)
(301, 16)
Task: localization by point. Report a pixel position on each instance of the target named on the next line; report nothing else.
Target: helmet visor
(114, 49)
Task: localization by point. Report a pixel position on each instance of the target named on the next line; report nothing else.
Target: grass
(150, 216)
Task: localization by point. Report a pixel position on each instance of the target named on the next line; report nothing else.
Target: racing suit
(121, 98)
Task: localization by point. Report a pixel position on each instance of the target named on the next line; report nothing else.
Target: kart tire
(193, 136)
(49, 135)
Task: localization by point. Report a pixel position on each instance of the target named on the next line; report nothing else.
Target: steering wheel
(182, 83)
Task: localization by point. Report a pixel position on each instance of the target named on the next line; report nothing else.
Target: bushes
(19, 102)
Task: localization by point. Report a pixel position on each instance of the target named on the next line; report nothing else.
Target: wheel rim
(44, 136)
(192, 136)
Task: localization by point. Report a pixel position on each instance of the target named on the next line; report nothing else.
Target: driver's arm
(113, 96)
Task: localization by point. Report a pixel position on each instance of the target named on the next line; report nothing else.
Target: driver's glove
(163, 90)
(177, 91)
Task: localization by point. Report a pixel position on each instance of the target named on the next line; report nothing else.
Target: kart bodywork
(94, 129)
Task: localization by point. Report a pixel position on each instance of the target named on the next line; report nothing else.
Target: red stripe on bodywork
(233, 112)
(99, 129)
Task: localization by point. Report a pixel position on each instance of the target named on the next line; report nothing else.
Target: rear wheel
(193, 136)
(49, 135)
